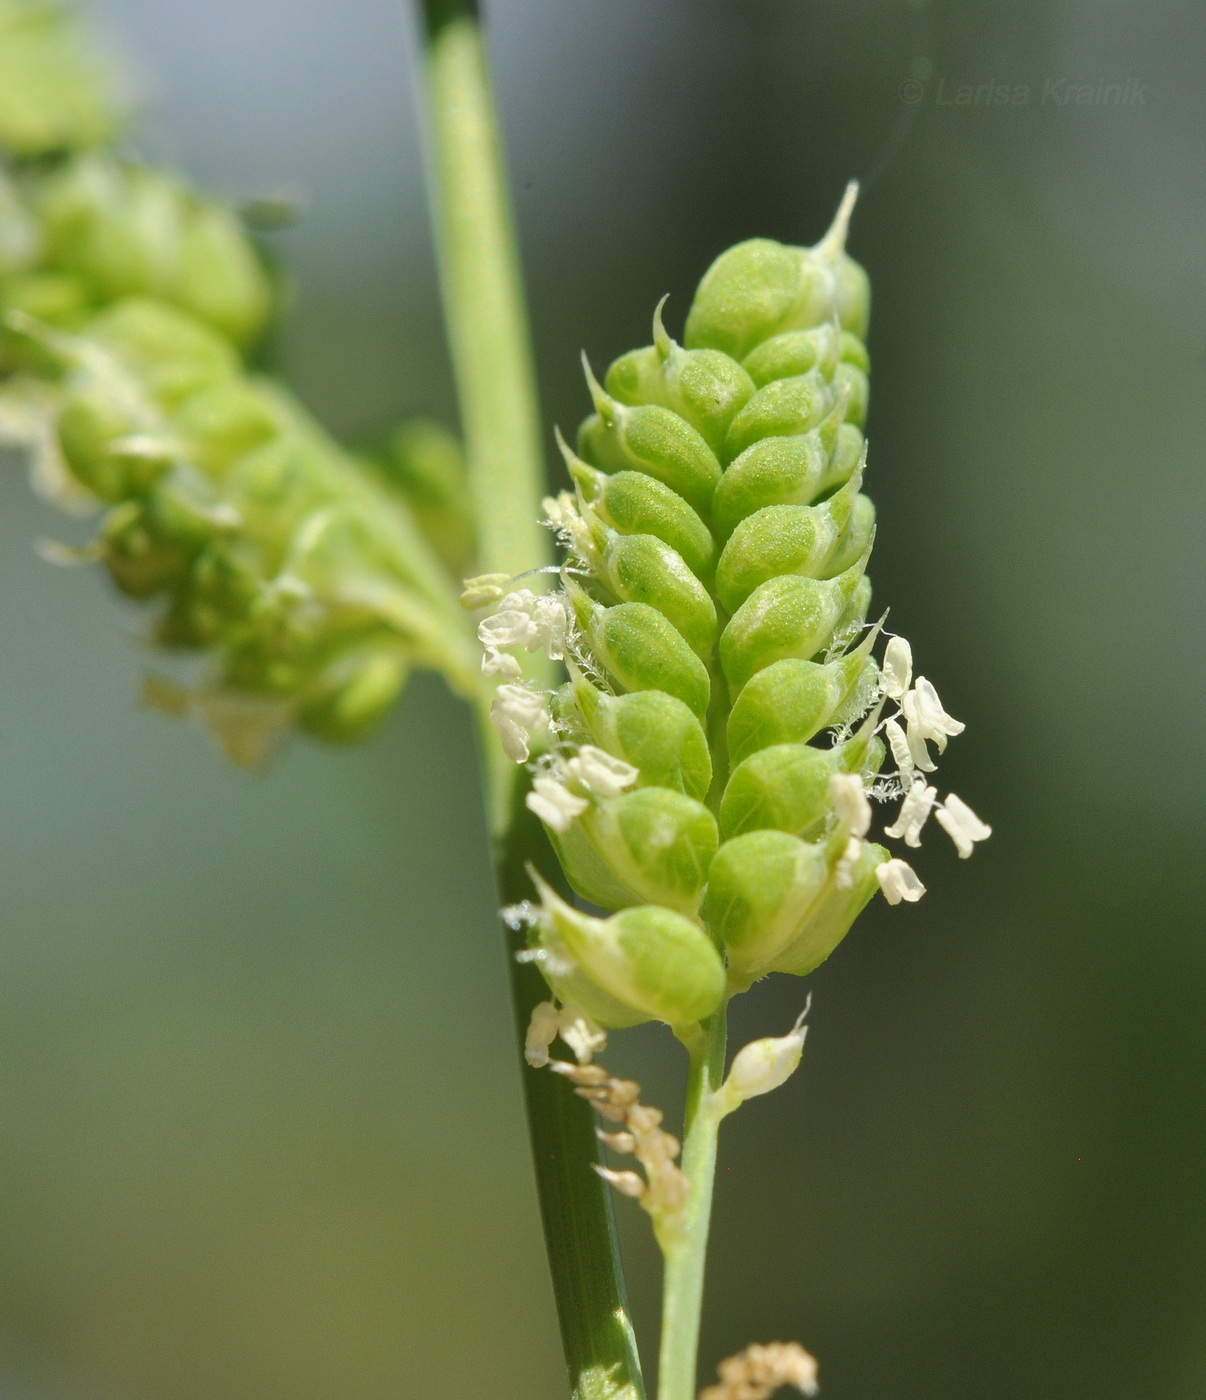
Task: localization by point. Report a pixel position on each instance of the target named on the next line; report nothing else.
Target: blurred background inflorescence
(312, 580)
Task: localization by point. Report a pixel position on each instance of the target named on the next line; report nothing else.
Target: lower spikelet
(758, 1371)
(662, 1191)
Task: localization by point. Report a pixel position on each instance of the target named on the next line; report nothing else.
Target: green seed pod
(754, 291)
(169, 353)
(761, 289)
(219, 277)
(223, 591)
(789, 470)
(636, 504)
(643, 651)
(792, 700)
(782, 408)
(760, 888)
(788, 539)
(129, 231)
(656, 843)
(141, 562)
(642, 569)
(54, 92)
(848, 449)
(96, 417)
(786, 616)
(795, 352)
(856, 538)
(653, 731)
(856, 388)
(830, 916)
(350, 696)
(653, 962)
(781, 788)
(854, 618)
(704, 387)
(653, 440)
(127, 299)
(778, 905)
(225, 421)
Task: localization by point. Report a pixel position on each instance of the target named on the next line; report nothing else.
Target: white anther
(962, 825)
(600, 773)
(849, 798)
(896, 674)
(512, 627)
(483, 589)
(914, 812)
(517, 713)
(542, 1031)
(898, 880)
(927, 720)
(498, 663)
(554, 804)
(899, 744)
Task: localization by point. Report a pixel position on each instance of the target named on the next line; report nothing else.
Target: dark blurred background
(260, 1130)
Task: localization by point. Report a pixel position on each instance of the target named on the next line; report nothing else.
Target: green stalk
(491, 353)
(682, 1296)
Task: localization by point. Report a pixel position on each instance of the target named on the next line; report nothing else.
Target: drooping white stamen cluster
(518, 713)
(914, 811)
(962, 825)
(592, 771)
(599, 772)
(925, 722)
(554, 803)
(898, 880)
(526, 619)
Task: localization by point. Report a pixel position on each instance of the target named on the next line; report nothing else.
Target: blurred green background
(260, 1132)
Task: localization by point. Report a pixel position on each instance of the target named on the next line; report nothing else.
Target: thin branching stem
(682, 1298)
(491, 353)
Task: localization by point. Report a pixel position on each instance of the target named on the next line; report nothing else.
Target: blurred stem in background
(491, 354)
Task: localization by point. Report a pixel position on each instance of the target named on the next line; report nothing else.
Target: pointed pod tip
(833, 244)
(661, 337)
(604, 404)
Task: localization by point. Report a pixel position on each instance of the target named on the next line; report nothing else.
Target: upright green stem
(682, 1297)
(491, 353)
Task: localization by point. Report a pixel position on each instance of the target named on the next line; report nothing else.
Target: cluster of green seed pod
(716, 604)
(313, 581)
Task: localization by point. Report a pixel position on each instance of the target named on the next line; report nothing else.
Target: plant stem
(682, 1296)
(491, 354)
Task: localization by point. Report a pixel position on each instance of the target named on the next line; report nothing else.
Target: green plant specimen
(713, 621)
(705, 771)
